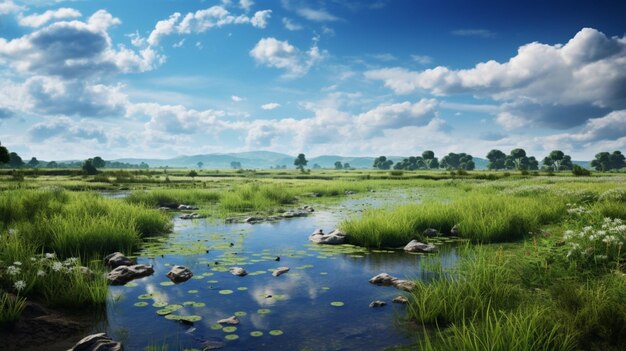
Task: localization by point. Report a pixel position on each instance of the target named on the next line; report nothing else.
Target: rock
(336, 237)
(277, 258)
(349, 192)
(251, 220)
(187, 207)
(123, 274)
(238, 271)
(377, 303)
(179, 274)
(401, 300)
(280, 270)
(117, 259)
(191, 216)
(307, 208)
(430, 232)
(229, 220)
(97, 342)
(406, 285)
(232, 320)
(455, 231)
(416, 246)
(384, 279)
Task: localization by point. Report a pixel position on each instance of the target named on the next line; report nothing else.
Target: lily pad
(166, 283)
(193, 291)
(337, 303)
(192, 318)
(141, 304)
(231, 337)
(159, 304)
(199, 304)
(263, 311)
(229, 329)
(276, 332)
(256, 333)
(145, 296)
(216, 326)
(131, 284)
(242, 288)
(225, 292)
(240, 313)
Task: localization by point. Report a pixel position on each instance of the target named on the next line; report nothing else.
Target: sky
(163, 78)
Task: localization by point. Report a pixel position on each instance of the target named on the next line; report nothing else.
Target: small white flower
(19, 285)
(12, 270)
(56, 266)
(41, 273)
(33, 259)
(12, 231)
(50, 255)
(17, 263)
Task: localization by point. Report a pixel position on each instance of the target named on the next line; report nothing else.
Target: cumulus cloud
(38, 20)
(203, 20)
(177, 119)
(75, 50)
(5, 113)
(236, 98)
(280, 54)
(394, 116)
(246, 5)
(555, 85)
(270, 106)
(7, 7)
(422, 59)
(66, 129)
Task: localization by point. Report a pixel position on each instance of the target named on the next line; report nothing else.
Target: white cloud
(291, 25)
(246, 4)
(66, 129)
(317, 15)
(203, 20)
(37, 20)
(280, 54)
(7, 7)
(236, 98)
(270, 106)
(554, 85)
(394, 116)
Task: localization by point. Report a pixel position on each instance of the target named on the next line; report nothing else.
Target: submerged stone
(431, 232)
(400, 300)
(232, 320)
(280, 270)
(385, 279)
(336, 237)
(377, 303)
(238, 271)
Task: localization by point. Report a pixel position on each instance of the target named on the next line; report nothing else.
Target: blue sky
(157, 78)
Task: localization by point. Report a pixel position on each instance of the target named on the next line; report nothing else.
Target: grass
(11, 308)
(479, 217)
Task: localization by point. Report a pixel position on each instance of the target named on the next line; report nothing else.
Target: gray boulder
(97, 342)
(238, 271)
(179, 274)
(117, 259)
(416, 246)
(385, 279)
(336, 237)
(187, 207)
(280, 270)
(123, 274)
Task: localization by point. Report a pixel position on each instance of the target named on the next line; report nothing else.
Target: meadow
(541, 266)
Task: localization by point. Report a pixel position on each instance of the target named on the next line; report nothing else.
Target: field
(540, 256)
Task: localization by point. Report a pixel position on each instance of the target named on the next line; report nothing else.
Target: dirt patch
(41, 328)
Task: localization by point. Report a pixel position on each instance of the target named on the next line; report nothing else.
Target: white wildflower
(50, 255)
(19, 285)
(41, 273)
(12, 270)
(56, 266)
(17, 263)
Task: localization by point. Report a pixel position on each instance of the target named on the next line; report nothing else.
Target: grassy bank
(53, 240)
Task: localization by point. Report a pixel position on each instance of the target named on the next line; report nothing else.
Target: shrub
(579, 171)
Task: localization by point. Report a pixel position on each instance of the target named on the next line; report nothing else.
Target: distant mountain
(264, 159)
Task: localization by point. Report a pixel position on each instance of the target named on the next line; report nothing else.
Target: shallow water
(300, 303)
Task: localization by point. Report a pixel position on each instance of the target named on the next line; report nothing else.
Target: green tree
(519, 159)
(382, 163)
(200, 164)
(33, 163)
(533, 164)
(193, 174)
(602, 162)
(496, 159)
(89, 168)
(236, 165)
(4, 155)
(346, 166)
(555, 160)
(52, 164)
(618, 161)
(98, 162)
(430, 161)
(15, 161)
(338, 165)
(300, 162)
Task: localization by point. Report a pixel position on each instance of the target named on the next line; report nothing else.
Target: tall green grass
(479, 217)
(163, 197)
(11, 308)
(255, 197)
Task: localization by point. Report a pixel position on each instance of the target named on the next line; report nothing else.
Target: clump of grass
(255, 197)
(11, 308)
(165, 197)
(482, 281)
(521, 330)
(479, 217)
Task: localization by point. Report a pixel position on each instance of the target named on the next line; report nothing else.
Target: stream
(322, 303)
